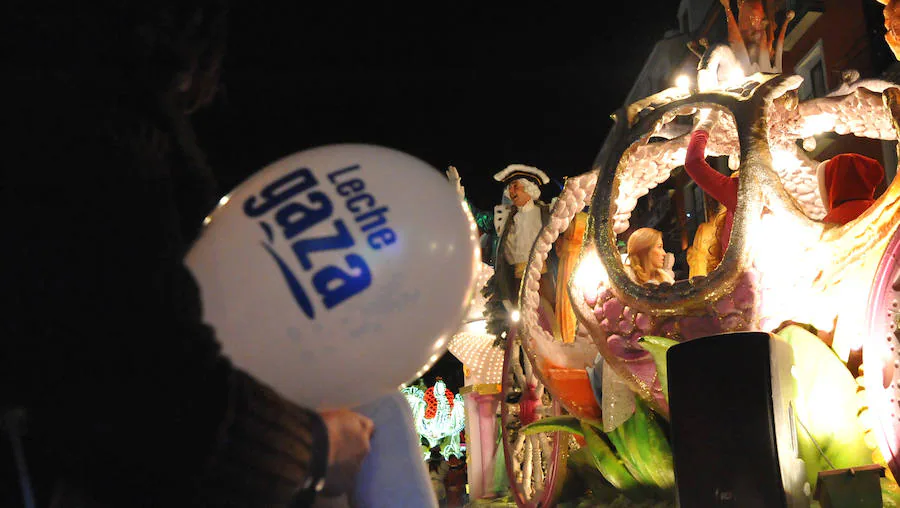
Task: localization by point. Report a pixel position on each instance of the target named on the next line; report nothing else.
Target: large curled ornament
(782, 263)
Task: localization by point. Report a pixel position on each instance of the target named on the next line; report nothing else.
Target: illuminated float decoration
(439, 416)
(473, 345)
(476, 348)
(782, 263)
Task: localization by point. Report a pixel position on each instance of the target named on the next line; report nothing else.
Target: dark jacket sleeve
(103, 344)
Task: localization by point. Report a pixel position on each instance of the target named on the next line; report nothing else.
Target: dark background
(478, 85)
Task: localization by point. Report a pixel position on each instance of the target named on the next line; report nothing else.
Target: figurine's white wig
(533, 190)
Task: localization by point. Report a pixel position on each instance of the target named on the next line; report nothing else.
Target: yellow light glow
(590, 273)
(785, 162)
(736, 77)
(477, 327)
(683, 82)
(809, 144)
(515, 316)
(224, 200)
(707, 80)
(817, 124)
(778, 236)
(850, 332)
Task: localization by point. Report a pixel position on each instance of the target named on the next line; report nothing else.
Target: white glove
(706, 119)
(454, 178)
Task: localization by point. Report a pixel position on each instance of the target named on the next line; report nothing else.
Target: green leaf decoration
(565, 423)
(644, 448)
(657, 347)
(606, 461)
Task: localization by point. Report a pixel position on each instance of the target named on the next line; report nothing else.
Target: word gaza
(298, 206)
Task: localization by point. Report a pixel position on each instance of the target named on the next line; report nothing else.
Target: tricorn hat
(515, 171)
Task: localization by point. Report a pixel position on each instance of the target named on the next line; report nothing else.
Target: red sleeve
(722, 188)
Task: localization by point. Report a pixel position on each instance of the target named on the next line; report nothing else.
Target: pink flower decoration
(732, 322)
(605, 326)
(693, 327)
(613, 308)
(725, 306)
(590, 297)
(744, 297)
(643, 322)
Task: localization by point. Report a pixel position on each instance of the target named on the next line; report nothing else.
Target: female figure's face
(657, 255)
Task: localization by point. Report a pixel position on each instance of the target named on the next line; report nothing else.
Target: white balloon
(337, 273)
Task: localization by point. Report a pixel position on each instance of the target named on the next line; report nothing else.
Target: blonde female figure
(648, 262)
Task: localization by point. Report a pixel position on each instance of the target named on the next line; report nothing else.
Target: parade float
(585, 402)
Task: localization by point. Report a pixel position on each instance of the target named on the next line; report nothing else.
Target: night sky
(478, 85)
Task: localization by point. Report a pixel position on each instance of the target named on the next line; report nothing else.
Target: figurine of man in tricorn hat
(514, 225)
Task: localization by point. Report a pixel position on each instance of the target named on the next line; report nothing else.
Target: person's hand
(705, 119)
(454, 178)
(670, 261)
(349, 434)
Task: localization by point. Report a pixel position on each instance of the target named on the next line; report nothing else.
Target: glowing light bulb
(515, 316)
(683, 82)
(707, 80)
(817, 124)
(590, 272)
(736, 77)
(224, 200)
(809, 144)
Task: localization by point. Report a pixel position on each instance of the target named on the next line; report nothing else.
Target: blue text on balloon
(296, 204)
